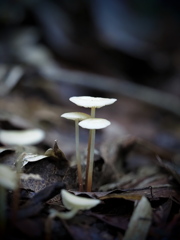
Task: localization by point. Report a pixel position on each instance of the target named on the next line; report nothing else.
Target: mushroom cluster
(89, 122)
(77, 116)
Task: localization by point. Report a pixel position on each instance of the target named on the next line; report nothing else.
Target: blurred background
(51, 50)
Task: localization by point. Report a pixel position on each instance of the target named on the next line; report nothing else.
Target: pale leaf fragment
(140, 221)
(29, 157)
(4, 149)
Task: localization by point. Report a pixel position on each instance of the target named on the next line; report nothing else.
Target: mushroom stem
(78, 160)
(90, 160)
(93, 111)
(77, 117)
(92, 124)
(2, 208)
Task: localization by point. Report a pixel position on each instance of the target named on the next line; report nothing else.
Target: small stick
(150, 188)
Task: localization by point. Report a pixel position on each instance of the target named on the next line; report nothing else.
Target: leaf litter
(54, 173)
(130, 173)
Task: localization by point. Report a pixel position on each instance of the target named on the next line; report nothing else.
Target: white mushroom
(92, 124)
(22, 137)
(92, 102)
(74, 204)
(77, 116)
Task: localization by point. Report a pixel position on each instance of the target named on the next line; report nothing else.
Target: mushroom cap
(73, 202)
(94, 123)
(75, 116)
(89, 102)
(22, 137)
(8, 177)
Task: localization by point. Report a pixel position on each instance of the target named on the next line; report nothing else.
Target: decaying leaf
(153, 193)
(55, 152)
(52, 169)
(35, 204)
(29, 157)
(45, 194)
(4, 149)
(126, 196)
(11, 156)
(140, 221)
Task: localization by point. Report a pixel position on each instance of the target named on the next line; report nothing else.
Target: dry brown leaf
(52, 169)
(127, 196)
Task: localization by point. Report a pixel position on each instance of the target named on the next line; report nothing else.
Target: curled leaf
(74, 204)
(4, 149)
(29, 157)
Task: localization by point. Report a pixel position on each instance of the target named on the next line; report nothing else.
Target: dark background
(136, 39)
(129, 50)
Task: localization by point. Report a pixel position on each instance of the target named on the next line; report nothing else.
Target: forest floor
(137, 166)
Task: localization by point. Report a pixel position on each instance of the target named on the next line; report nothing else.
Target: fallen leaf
(29, 157)
(35, 204)
(4, 149)
(140, 221)
(52, 169)
(126, 196)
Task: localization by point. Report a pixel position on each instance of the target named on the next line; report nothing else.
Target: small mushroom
(77, 116)
(22, 137)
(74, 204)
(92, 124)
(92, 102)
